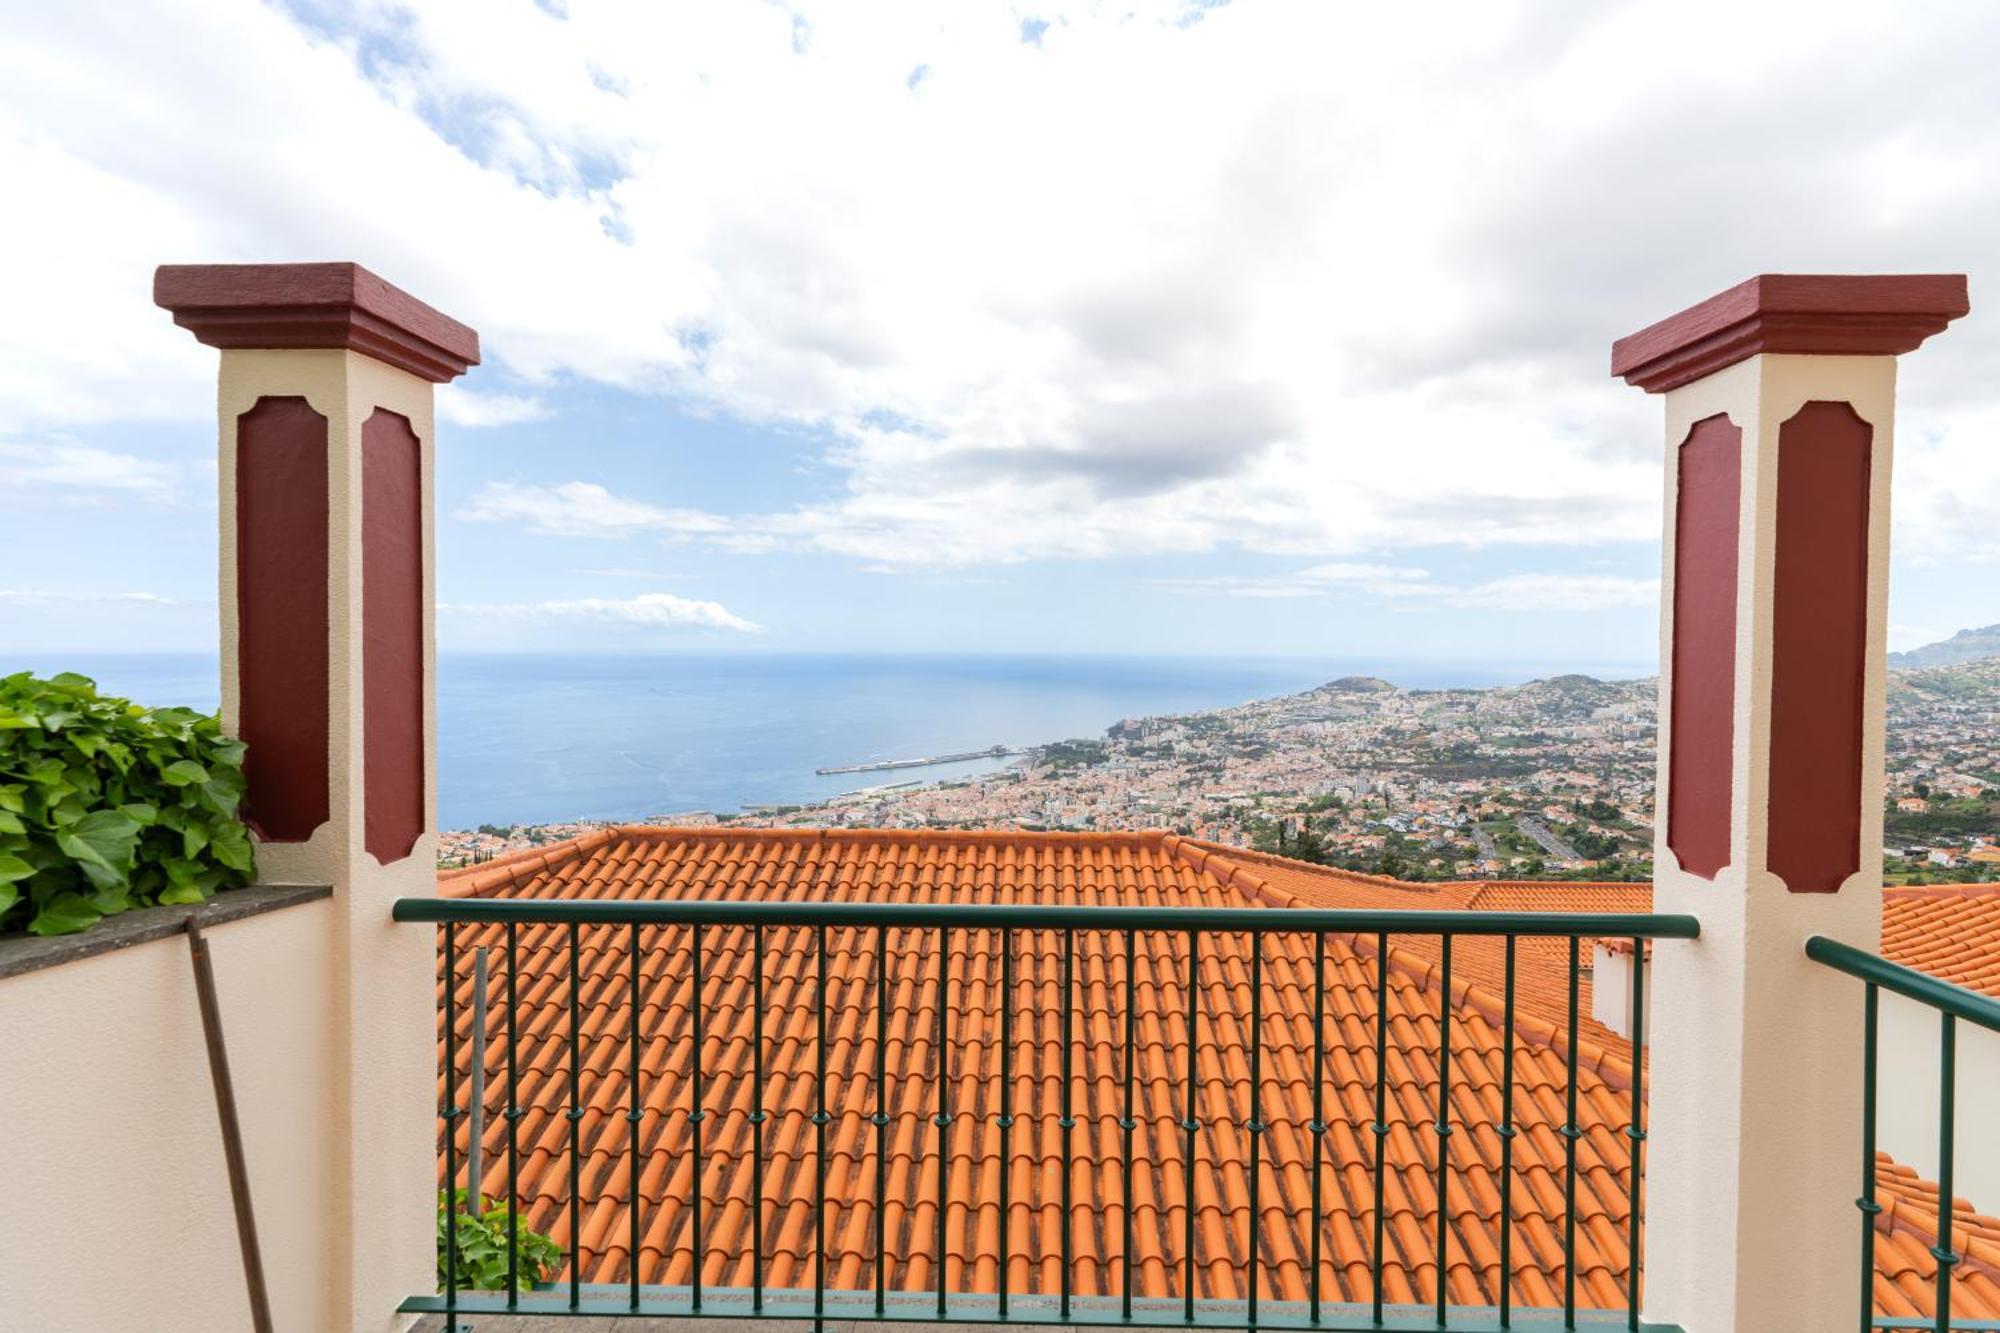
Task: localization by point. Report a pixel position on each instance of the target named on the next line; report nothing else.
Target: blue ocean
(544, 738)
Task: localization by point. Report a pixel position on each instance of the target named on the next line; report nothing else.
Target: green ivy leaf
(231, 846)
(183, 773)
(65, 914)
(45, 773)
(84, 782)
(104, 839)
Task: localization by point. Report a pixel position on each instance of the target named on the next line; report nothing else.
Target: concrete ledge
(21, 954)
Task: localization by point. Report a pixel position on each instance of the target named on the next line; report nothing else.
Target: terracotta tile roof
(1949, 931)
(1906, 1231)
(1541, 962)
(1154, 869)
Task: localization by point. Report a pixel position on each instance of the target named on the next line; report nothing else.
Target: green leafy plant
(106, 805)
(482, 1247)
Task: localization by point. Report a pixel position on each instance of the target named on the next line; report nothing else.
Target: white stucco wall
(117, 1196)
(1906, 1099)
(1611, 990)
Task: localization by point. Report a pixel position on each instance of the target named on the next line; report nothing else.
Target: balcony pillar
(1780, 406)
(326, 432)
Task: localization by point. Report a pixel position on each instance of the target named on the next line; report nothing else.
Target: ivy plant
(106, 805)
(482, 1247)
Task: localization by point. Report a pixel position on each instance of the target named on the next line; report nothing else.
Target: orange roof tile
(1086, 869)
(1949, 931)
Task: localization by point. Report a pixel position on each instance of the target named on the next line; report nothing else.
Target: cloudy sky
(1257, 328)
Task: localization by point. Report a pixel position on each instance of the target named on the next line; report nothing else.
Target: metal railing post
(1076, 1057)
(475, 1128)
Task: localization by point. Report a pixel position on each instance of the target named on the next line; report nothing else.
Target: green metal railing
(1952, 1004)
(1191, 924)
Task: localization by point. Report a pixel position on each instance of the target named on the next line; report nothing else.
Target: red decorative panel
(392, 653)
(1701, 766)
(281, 616)
(1819, 643)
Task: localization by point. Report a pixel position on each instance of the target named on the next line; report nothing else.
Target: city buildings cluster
(1551, 779)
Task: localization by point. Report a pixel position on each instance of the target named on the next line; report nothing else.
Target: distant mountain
(1359, 685)
(1968, 645)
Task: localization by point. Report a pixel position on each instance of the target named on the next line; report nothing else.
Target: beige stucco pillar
(1780, 406)
(326, 434)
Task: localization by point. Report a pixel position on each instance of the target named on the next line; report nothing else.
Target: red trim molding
(1819, 643)
(1819, 314)
(281, 617)
(315, 305)
(1701, 763)
(392, 650)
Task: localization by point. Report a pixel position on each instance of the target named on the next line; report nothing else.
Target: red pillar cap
(1812, 313)
(315, 305)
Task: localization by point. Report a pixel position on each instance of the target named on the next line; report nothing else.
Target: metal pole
(475, 1167)
(232, 1131)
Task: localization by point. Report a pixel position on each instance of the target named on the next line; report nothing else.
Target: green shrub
(482, 1247)
(106, 805)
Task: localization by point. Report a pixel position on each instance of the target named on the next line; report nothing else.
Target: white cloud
(1416, 587)
(462, 407)
(68, 472)
(1356, 295)
(1902, 638)
(1947, 500)
(40, 597)
(582, 509)
(1558, 592)
(1316, 581)
(652, 610)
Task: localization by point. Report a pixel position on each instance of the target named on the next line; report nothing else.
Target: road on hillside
(1550, 843)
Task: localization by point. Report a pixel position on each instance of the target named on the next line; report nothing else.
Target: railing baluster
(1570, 1135)
(1507, 1133)
(575, 1116)
(1068, 1121)
(1255, 1125)
(757, 1118)
(1637, 1131)
(1947, 1117)
(513, 1122)
(1318, 1125)
(697, 917)
(1380, 1128)
(632, 1118)
(943, 1118)
(694, 1126)
(819, 1120)
(451, 1115)
(1443, 1126)
(1871, 1001)
(1128, 1123)
(1006, 1107)
(1952, 1003)
(881, 1116)
(1191, 1124)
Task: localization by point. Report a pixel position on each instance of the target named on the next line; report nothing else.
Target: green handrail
(1952, 1003)
(1191, 923)
(1252, 920)
(1925, 989)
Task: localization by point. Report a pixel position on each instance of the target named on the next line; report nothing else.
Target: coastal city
(1552, 779)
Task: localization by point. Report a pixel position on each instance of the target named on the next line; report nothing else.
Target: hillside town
(1548, 780)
